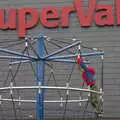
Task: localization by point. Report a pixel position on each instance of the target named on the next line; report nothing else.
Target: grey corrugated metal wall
(107, 38)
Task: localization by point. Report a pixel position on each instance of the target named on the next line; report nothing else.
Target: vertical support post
(102, 72)
(102, 82)
(40, 67)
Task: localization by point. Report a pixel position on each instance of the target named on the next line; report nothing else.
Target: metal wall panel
(106, 37)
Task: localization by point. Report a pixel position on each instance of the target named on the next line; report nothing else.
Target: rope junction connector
(80, 104)
(67, 85)
(95, 49)
(45, 37)
(10, 66)
(48, 38)
(19, 101)
(11, 88)
(88, 92)
(102, 57)
(39, 90)
(79, 47)
(101, 96)
(26, 41)
(61, 104)
(74, 39)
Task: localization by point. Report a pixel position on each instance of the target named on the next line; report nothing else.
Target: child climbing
(88, 76)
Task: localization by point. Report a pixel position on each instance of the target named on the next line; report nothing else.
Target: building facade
(95, 33)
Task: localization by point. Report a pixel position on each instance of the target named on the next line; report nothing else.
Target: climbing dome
(40, 79)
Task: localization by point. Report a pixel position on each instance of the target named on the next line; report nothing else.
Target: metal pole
(16, 53)
(40, 65)
(102, 72)
(62, 49)
(72, 56)
(14, 57)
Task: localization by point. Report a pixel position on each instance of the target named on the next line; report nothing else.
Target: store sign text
(51, 17)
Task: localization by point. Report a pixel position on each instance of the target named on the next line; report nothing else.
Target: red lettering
(2, 19)
(48, 17)
(85, 20)
(10, 23)
(104, 15)
(12, 19)
(24, 24)
(118, 11)
(66, 11)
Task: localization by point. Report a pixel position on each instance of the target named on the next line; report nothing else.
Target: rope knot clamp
(80, 104)
(39, 90)
(102, 57)
(61, 104)
(19, 101)
(11, 88)
(67, 85)
(89, 92)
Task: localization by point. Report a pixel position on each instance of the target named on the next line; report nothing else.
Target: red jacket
(89, 72)
(89, 76)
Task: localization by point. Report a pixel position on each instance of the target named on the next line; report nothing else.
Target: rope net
(61, 101)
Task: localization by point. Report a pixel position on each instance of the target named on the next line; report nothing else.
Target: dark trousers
(94, 98)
